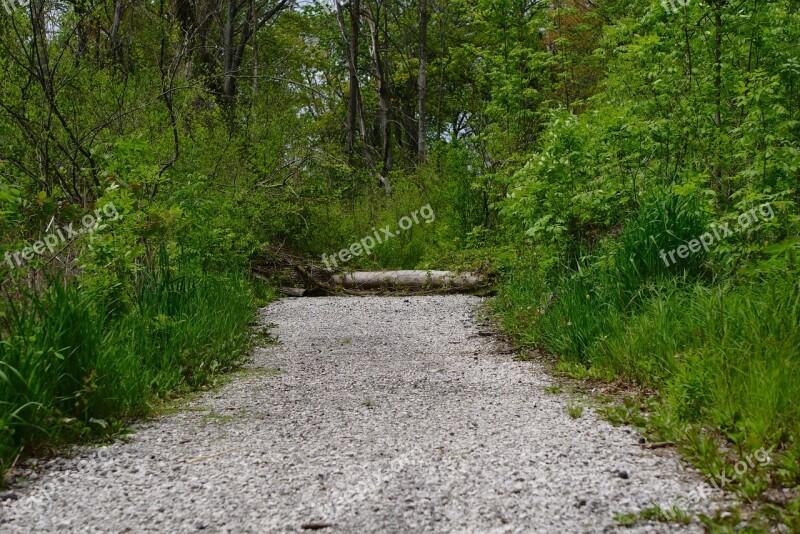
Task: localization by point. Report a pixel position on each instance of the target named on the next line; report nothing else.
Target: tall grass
(663, 223)
(723, 354)
(69, 367)
(576, 310)
(720, 355)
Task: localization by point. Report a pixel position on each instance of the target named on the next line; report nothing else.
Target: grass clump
(575, 410)
(74, 366)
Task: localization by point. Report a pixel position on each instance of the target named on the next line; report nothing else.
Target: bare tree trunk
(352, 65)
(355, 112)
(382, 86)
(40, 46)
(234, 53)
(440, 86)
(255, 70)
(228, 78)
(423, 82)
(408, 114)
(116, 46)
(199, 32)
(717, 172)
(387, 133)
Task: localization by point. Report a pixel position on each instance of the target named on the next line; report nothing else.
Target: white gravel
(387, 414)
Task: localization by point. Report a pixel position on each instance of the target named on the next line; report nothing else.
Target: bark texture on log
(408, 280)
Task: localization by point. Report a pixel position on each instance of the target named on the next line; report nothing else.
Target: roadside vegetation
(75, 367)
(626, 172)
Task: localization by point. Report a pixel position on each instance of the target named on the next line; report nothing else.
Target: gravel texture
(373, 414)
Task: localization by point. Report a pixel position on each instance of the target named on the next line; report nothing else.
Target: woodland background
(562, 146)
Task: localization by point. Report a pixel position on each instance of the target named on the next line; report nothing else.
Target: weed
(575, 410)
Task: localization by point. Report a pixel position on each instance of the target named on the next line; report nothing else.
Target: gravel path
(373, 414)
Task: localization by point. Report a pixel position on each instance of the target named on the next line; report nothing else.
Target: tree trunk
(423, 82)
(116, 46)
(382, 86)
(408, 117)
(233, 53)
(350, 44)
(718, 171)
(352, 65)
(228, 77)
(355, 112)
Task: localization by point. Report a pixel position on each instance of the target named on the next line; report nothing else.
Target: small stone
(315, 526)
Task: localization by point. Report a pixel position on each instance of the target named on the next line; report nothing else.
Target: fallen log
(297, 277)
(408, 280)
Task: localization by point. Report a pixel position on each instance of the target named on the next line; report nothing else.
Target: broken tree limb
(408, 280)
(296, 274)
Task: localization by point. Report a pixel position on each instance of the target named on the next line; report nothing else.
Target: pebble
(376, 421)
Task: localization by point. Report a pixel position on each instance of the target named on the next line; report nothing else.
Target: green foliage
(640, 255)
(572, 147)
(722, 356)
(68, 367)
(449, 183)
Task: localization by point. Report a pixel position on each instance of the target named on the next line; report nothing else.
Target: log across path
(408, 280)
(373, 414)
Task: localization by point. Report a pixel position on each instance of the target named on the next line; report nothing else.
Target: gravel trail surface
(372, 415)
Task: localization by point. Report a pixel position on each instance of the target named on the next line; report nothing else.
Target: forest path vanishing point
(389, 414)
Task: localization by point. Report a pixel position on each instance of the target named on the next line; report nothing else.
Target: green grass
(71, 369)
(655, 513)
(448, 183)
(575, 410)
(723, 361)
(725, 355)
(722, 356)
